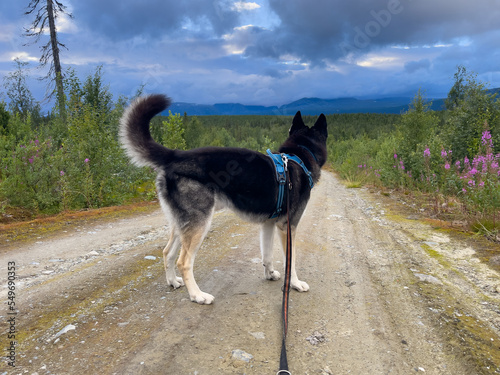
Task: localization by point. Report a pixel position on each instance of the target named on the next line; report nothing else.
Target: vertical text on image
(11, 313)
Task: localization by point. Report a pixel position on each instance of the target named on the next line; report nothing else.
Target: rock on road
(389, 295)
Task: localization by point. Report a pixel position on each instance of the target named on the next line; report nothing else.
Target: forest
(56, 162)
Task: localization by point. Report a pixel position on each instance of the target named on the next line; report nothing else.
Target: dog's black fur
(190, 182)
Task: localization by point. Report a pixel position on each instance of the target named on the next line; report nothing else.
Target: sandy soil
(389, 295)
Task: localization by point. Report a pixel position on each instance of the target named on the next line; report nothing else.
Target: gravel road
(389, 295)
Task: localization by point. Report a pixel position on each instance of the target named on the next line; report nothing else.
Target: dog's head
(313, 138)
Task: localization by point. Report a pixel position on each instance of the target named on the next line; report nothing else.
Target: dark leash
(286, 285)
(280, 162)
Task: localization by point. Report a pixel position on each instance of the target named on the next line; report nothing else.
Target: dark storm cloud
(333, 29)
(124, 19)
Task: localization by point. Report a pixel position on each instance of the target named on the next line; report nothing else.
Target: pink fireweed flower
(444, 153)
(395, 156)
(472, 183)
(30, 160)
(447, 166)
(486, 138)
(481, 184)
(62, 173)
(464, 190)
(427, 153)
(86, 160)
(457, 164)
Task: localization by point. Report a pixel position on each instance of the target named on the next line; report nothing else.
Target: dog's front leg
(301, 286)
(266, 248)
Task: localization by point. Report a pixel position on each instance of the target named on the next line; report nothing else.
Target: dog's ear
(321, 126)
(297, 123)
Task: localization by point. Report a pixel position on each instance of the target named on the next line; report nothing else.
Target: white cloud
(66, 24)
(378, 61)
(23, 56)
(241, 6)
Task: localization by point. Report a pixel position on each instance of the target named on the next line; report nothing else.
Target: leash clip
(285, 161)
(280, 372)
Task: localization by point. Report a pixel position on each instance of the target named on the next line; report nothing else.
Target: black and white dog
(190, 183)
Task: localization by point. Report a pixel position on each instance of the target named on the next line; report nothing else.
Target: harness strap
(280, 161)
(281, 178)
(308, 150)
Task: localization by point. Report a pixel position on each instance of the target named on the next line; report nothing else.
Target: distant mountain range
(307, 106)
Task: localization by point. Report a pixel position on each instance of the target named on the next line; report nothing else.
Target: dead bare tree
(47, 12)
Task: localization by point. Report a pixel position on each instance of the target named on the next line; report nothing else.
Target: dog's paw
(203, 298)
(301, 286)
(175, 282)
(273, 275)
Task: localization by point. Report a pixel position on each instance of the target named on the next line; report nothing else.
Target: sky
(265, 52)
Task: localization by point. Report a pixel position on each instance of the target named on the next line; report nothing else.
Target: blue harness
(280, 163)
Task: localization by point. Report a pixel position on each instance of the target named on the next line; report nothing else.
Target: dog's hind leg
(266, 248)
(169, 257)
(301, 286)
(191, 239)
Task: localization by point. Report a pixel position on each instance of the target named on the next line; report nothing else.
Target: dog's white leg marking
(190, 243)
(169, 257)
(266, 248)
(301, 286)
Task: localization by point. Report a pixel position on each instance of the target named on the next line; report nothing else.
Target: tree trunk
(56, 61)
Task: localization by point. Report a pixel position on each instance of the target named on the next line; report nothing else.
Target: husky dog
(190, 183)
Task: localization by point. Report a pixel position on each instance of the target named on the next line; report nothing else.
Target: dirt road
(389, 295)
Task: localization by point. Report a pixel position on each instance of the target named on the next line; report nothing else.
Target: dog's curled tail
(135, 136)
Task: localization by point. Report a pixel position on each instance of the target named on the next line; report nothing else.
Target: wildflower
(481, 184)
(443, 153)
(86, 160)
(486, 138)
(30, 160)
(464, 190)
(473, 171)
(62, 173)
(472, 183)
(447, 166)
(466, 160)
(427, 153)
(457, 164)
